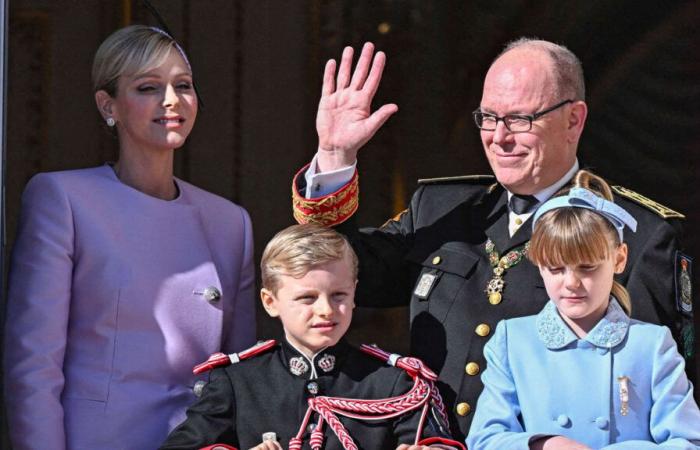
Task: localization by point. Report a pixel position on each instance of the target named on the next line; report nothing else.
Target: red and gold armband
(329, 210)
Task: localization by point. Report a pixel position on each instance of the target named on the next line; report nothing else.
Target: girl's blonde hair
(297, 249)
(132, 50)
(566, 236)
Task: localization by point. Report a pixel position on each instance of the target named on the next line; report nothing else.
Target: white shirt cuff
(320, 184)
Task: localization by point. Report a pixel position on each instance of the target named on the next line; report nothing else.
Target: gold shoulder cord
(661, 210)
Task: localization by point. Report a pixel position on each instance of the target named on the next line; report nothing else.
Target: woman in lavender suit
(123, 277)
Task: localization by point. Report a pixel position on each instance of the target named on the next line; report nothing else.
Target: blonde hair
(297, 249)
(132, 50)
(576, 235)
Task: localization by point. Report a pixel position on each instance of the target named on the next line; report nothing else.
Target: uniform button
(472, 368)
(518, 221)
(311, 428)
(312, 387)
(601, 422)
(437, 260)
(495, 298)
(211, 294)
(198, 387)
(562, 420)
(483, 330)
(463, 409)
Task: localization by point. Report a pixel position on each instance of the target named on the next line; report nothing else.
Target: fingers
(375, 74)
(328, 78)
(268, 445)
(360, 74)
(344, 70)
(376, 120)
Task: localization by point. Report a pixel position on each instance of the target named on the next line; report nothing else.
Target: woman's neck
(150, 173)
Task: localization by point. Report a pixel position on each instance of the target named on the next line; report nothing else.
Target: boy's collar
(607, 333)
(325, 361)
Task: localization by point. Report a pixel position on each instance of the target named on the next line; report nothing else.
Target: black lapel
(498, 217)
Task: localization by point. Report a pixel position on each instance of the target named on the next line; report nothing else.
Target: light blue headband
(583, 198)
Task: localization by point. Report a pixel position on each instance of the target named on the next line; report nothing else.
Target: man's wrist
(331, 160)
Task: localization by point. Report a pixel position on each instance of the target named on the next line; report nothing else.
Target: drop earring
(110, 122)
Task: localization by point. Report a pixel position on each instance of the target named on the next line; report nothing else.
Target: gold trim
(661, 210)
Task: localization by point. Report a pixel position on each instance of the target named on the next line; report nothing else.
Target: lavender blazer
(105, 313)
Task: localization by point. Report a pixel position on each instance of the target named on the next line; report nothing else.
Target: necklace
(495, 286)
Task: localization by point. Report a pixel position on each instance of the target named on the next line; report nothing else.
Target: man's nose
(501, 133)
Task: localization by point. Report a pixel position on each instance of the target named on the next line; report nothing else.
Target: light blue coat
(542, 380)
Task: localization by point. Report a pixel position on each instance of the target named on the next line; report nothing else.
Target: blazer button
(198, 387)
(463, 409)
(601, 422)
(211, 294)
(562, 420)
(472, 368)
(483, 330)
(312, 387)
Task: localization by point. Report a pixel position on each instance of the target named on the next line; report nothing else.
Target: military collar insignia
(607, 333)
(326, 362)
(298, 365)
(323, 362)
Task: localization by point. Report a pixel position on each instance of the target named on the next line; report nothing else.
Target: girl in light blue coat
(581, 374)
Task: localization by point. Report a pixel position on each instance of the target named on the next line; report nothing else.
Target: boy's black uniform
(269, 393)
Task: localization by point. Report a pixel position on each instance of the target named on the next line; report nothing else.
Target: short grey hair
(568, 69)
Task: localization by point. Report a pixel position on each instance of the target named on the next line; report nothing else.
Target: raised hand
(344, 121)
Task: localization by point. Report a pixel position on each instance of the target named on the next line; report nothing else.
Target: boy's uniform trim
(223, 360)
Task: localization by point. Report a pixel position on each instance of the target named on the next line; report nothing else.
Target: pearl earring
(110, 122)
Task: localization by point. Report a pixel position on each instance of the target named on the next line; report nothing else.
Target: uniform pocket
(443, 273)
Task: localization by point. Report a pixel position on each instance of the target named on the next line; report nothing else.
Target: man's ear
(577, 119)
(105, 104)
(269, 302)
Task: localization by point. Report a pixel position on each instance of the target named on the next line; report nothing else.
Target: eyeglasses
(516, 123)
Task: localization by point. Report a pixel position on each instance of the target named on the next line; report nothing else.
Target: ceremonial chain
(495, 287)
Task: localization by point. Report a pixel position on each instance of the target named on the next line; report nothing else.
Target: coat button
(211, 294)
(472, 368)
(562, 420)
(483, 330)
(601, 422)
(463, 409)
(437, 260)
(198, 387)
(312, 387)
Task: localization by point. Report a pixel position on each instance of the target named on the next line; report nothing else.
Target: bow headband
(583, 198)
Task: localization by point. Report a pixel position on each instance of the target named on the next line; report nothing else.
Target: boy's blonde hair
(296, 250)
(132, 50)
(566, 236)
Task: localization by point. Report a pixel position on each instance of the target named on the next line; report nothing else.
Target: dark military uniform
(269, 393)
(434, 254)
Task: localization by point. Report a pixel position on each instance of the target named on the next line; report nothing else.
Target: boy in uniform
(313, 390)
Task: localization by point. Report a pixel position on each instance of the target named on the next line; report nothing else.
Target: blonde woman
(123, 276)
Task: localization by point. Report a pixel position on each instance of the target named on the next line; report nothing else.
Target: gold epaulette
(479, 179)
(661, 210)
(329, 210)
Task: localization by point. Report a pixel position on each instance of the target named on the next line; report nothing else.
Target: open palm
(344, 121)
